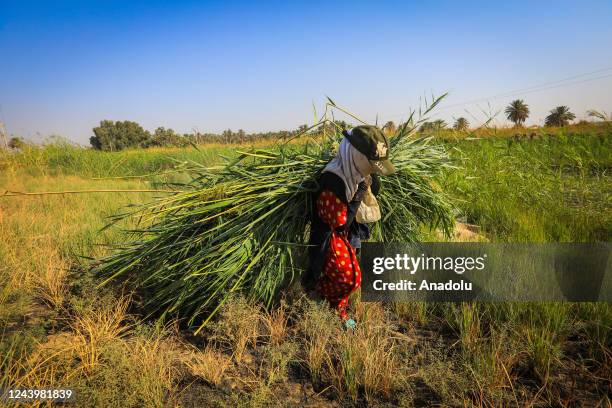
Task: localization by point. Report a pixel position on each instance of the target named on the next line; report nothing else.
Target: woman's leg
(341, 275)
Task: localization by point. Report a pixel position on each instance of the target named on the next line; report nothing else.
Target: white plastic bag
(368, 211)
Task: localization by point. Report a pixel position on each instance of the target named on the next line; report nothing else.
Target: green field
(58, 327)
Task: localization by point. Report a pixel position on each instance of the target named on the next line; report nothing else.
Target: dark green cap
(373, 143)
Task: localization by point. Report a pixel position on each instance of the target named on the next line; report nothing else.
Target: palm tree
(439, 124)
(599, 115)
(560, 116)
(389, 127)
(436, 125)
(461, 124)
(426, 126)
(517, 112)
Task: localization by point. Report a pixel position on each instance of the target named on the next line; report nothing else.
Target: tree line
(118, 135)
(516, 112)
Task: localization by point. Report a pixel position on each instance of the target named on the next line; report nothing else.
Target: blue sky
(66, 65)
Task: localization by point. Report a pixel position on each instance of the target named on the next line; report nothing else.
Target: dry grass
(492, 366)
(41, 236)
(466, 321)
(367, 357)
(209, 364)
(380, 365)
(97, 351)
(273, 367)
(238, 327)
(104, 363)
(154, 367)
(50, 286)
(412, 313)
(275, 324)
(94, 329)
(543, 350)
(316, 328)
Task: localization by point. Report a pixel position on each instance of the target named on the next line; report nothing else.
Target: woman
(334, 270)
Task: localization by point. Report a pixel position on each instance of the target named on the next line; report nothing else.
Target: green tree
(227, 136)
(241, 136)
(17, 143)
(517, 112)
(113, 136)
(434, 126)
(343, 125)
(439, 124)
(165, 137)
(426, 126)
(560, 116)
(461, 124)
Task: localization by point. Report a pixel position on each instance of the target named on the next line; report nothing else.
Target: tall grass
(63, 159)
(552, 189)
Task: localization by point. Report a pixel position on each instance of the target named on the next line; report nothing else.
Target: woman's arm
(353, 206)
(375, 187)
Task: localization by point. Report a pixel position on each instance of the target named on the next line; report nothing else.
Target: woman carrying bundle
(345, 182)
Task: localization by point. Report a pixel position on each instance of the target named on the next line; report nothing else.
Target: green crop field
(59, 327)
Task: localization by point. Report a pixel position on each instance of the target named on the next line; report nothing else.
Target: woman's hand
(342, 230)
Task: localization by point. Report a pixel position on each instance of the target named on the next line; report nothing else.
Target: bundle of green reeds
(238, 227)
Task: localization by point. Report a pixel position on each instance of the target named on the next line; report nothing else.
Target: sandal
(350, 324)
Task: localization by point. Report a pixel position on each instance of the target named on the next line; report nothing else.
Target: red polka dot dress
(341, 273)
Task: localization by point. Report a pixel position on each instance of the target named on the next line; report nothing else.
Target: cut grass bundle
(239, 227)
